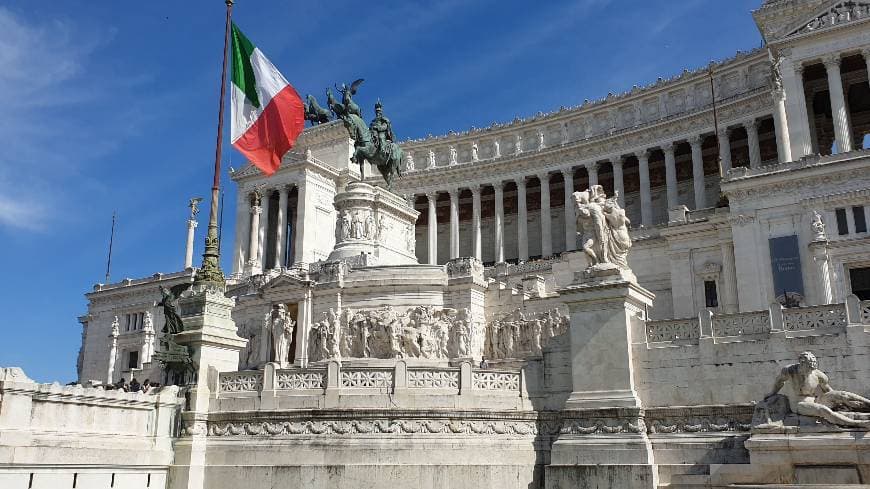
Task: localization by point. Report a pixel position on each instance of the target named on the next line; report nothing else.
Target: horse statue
(388, 158)
(314, 112)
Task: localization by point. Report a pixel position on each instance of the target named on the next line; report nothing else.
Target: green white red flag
(267, 113)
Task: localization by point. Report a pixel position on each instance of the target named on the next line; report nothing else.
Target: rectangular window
(141, 319)
(859, 278)
(842, 225)
(860, 220)
(127, 322)
(711, 295)
(133, 359)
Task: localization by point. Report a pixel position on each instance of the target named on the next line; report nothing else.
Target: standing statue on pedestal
(173, 324)
(282, 334)
(603, 229)
(374, 143)
(811, 394)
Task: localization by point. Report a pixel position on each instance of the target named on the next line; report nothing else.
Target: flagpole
(111, 241)
(210, 273)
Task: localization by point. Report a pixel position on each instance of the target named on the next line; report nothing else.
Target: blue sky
(112, 105)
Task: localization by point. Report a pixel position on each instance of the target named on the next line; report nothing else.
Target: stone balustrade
(828, 317)
(333, 385)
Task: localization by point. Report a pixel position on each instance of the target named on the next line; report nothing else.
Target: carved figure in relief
(250, 356)
(339, 233)
(813, 396)
(776, 71)
(453, 155)
(357, 223)
(819, 233)
(496, 149)
(409, 162)
(541, 144)
(148, 322)
(603, 229)
(116, 327)
(431, 159)
(369, 229)
(345, 226)
(474, 154)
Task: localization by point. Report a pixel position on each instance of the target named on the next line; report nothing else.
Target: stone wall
(56, 437)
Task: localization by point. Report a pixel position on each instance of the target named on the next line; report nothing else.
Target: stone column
(498, 226)
(671, 175)
(433, 228)
(546, 225)
(113, 352)
(618, 181)
(264, 229)
(243, 224)
(729, 278)
(188, 250)
(698, 172)
(592, 170)
(842, 131)
(725, 149)
(303, 329)
(645, 193)
(799, 125)
(522, 221)
(780, 121)
(570, 219)
(475, 222)
(302, 207)
(280, 238)
(454, 223)
(754, 149)
(254, 247)
(819, 250)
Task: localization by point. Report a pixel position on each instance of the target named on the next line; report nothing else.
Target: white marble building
(763, 202)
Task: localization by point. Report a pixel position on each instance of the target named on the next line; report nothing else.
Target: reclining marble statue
(813, 396)
(603, 229)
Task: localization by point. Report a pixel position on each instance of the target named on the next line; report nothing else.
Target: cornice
(138, 285)
(623, 142)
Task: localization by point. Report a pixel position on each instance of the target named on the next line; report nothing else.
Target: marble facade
(446, 334)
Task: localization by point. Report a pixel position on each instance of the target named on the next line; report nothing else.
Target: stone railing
(334, 385)
(829, 317)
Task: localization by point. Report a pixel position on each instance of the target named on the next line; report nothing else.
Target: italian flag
(267, 113)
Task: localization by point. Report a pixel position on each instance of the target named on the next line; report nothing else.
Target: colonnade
(617, 162)
(261, 245)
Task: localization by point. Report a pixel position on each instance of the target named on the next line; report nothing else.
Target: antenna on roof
(111, 241)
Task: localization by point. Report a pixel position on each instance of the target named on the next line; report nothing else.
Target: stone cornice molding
(137, 285)
(759, 103)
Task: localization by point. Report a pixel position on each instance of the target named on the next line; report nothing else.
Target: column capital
(799, 68)
(751, 124)
(256, 209)
(642, 154)
(667, 147)
(453, 192)
(543, 176)
(866, 53)
(520, 181)
(255, 197)
(431, 196)
(618, 161)
(696, 140)
(832, 61)
(497, 185)
(591, 166)
(475, 188)
(724, 132)
(566, 172)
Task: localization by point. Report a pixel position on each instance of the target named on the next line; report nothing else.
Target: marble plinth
(376, 222)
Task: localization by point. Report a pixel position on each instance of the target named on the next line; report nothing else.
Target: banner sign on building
(785, 262)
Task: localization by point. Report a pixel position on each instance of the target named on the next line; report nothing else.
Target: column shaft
(754, 149)
(729, 278)
(264, 230)
(499, 222)
(243, 223)
(799, 126)
(454, 223)
(254, 241)
(570, 219)
(842, 131)
(280, 238)
(592, 171)
(645, 192)
(671, 175)
(780, 122)
(188, 250)
(475, 221)
(546, 224)
(433, 229)
(698, 172)
(724, 150)
(522, 221)
(618, 181)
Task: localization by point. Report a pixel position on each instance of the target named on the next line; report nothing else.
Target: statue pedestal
(603, 440)
(210, 335)
(376, 222)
